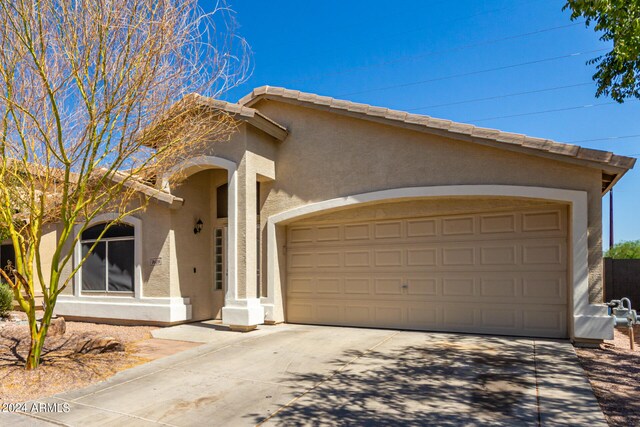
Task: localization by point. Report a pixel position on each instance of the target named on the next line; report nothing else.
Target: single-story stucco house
(329, 212)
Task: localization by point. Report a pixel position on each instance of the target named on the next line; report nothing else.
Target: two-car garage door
(496, 273)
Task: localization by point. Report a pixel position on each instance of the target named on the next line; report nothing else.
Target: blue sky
(422, 55)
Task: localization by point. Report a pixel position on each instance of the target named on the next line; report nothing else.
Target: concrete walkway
(311, 375)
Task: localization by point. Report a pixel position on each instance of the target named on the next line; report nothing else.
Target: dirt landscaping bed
(64, 367)
(614, 373)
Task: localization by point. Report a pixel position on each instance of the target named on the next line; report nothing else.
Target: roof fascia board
(267, 125)
(249, 115)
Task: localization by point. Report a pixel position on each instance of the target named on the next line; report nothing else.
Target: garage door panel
(357, 232)
(546, 322)
(302, 311)
(328, 260)
(458, 286)
(328, 311)
(541, 252)
(301, 260)
(542, 286)
(388, 230)
(390, 286)
(426, 317)
(388, 258)
(543, 221)
(506, 319)
(499, 286)
(548, 223)
(418, 228)
(301, 285)
(422, 286)
(357, 258)
(505, 254)
(328, 234)
(459, 226)
(392, 315)
(517, 288)
(358, 314)
(329, 285)
(522, 255)
(502, 273)
(498, 224)
(297, 235)
(422, 257)
(503, 318)
(458, 256)
(357, 286)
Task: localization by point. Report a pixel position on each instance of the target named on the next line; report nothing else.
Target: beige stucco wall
(328, 155)
(47, 248)
(156, 223)
(192, 251)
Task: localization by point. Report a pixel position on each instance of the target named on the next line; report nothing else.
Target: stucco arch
(589, 321)
(201, 163)
(197, 164)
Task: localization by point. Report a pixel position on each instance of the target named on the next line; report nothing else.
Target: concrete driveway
(314, 375)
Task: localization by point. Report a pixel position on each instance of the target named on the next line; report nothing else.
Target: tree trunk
(38, 336)
(33, 359)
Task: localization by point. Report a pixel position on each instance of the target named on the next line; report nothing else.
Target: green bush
(6, 299)
(624, 250)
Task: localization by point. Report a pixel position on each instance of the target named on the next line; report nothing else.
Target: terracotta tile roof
(246, 113)
(556, 149)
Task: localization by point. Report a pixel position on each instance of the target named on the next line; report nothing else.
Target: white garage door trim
(589, 321)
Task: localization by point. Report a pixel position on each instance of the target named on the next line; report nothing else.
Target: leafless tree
(97, 98)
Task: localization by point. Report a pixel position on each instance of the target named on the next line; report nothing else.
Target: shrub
(624, 250)
(6, 299)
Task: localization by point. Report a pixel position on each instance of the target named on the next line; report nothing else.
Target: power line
(378, 35)
(609, 138)
(437, 52)
(453, 76)
(542, 112)
(508, 95)
(464, 18)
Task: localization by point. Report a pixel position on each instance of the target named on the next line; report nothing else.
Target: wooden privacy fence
(622, 279)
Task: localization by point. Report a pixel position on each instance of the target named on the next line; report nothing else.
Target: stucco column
(242, 310)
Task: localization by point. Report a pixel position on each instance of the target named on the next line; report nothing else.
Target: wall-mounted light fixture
(198, 227)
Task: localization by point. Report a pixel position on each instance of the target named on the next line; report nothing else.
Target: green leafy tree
(618, 21)
(624, 250)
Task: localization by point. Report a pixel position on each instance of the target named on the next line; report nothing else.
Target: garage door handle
(405, 286)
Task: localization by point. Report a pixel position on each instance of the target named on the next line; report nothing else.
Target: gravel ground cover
(63, 369)
(614, 373)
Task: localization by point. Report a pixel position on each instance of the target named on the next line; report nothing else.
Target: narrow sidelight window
(219, 258)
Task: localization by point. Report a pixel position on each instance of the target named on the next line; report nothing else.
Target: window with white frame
(110, 266)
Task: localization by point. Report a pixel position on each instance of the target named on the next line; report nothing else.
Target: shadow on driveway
(464, 379)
